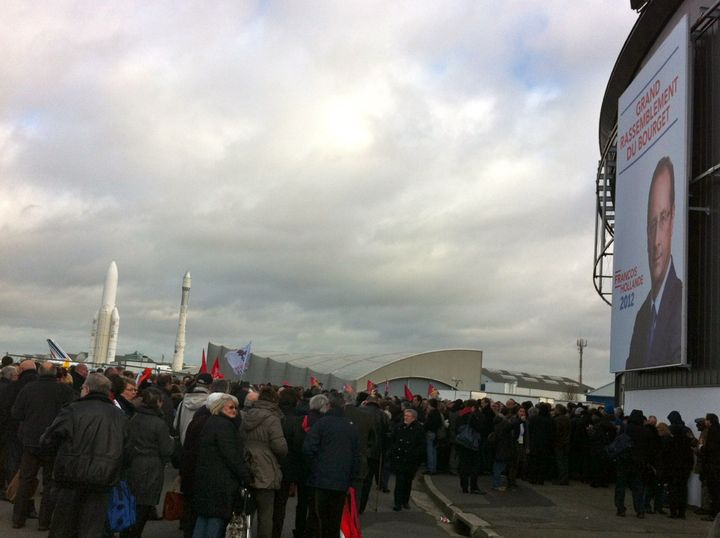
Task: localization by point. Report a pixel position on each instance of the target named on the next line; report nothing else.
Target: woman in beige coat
(264, 446)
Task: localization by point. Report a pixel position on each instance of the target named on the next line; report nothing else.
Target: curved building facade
(444, 369)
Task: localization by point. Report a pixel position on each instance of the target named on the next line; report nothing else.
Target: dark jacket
(541, 434)
(505, 445)
(37, 405)
(220, 468)
(364, 424)
(407, 449)
(91, 439)
(483, 420)
(433, 421)
(676, 453)
(665, 347)
(562, 430)
(168, 409)
(642, 440)
(78, 381)
(9, 424)
(292, 464)
(710, 453)
(333, 448)
(126, 405)
(150, 448)
(191, 449)
(380, 429)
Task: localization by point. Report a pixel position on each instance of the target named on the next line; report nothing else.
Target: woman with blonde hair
(220, 469)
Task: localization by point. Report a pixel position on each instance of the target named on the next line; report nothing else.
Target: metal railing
(605, 220)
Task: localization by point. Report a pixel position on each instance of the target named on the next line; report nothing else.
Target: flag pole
(379, 481)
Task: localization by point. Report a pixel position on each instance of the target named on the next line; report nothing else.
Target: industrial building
(444, 369)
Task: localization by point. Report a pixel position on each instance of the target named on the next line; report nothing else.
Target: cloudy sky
(337, 176)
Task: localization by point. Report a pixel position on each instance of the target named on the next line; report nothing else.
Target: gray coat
(265, 443)
(152, 447)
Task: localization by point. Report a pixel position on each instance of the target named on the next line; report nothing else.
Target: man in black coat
(292, 464)
(406, 454)
(541, 437)
(365, 427)
(433, 422)
(90, 436)
(27, 373)
(78, 373)
(164, 381)
(333, 447)
(36, 406)
(380, 430)
(631, 467)
(8, 375)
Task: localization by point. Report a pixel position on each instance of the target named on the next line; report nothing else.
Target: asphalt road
(414, 523)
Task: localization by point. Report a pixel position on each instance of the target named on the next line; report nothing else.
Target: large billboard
(648, 328)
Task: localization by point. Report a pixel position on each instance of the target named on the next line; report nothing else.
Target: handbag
(620, 447)
(121, 510)
(174, 502)
(244, 502)
(239, 526)
(467, 437)
(14, 485)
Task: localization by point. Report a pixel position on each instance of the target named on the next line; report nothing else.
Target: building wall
(691, 403)
(443, 366)
(703, 271)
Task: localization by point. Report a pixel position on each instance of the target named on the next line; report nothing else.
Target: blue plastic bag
(121, 512)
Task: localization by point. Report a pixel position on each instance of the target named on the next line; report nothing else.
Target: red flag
(408, 394)
(347, 388)
(146, 373)
(371, 386)
(203, 366)
(215, 373)
(431, 391)
(350, 522)
(314, 382)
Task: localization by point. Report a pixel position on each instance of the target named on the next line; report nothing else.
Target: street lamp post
(581, 344)
(456, 381)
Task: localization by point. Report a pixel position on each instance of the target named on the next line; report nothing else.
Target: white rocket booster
(93, 332)
(179, 355)
(114, 328)
(104, 336)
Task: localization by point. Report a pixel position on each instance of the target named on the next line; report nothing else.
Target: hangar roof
(537, 382)
(345, 366)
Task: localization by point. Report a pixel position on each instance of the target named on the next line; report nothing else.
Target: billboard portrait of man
(658, 324)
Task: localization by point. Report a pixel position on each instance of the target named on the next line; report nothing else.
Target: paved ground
(422, 521)
(563, 512)
(549, 511)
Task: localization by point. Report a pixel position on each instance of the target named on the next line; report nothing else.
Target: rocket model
(179, 355)
(104, 335)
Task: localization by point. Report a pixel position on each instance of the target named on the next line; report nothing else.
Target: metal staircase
(605, 220)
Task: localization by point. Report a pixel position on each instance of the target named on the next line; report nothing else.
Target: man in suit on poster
(658, 324)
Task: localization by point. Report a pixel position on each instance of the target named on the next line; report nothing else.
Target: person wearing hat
(190, 404)
(678, 456)
(630, 469)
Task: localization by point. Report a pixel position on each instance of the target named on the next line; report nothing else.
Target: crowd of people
(259, 445)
